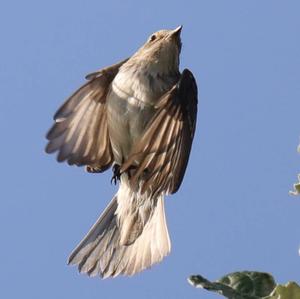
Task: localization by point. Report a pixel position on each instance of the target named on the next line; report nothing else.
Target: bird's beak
(176, 32)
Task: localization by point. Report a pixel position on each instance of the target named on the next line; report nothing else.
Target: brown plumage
(138, 115)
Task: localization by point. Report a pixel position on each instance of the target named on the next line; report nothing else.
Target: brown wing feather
(80, 134)
(160, 157)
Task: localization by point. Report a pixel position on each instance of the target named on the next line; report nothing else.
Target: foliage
(248, 285)
(296, 190)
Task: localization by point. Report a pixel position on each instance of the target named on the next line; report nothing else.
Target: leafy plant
(248, 285)
(296, 190)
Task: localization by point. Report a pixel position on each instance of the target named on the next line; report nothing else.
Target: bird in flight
(137, 117)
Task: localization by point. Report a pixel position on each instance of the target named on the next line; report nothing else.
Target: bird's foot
(116, 174)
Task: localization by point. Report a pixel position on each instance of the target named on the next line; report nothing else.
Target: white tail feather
(129, 236)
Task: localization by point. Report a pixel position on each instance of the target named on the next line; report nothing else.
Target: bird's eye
(152, 38)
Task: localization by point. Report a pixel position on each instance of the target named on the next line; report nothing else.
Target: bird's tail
(130, 236)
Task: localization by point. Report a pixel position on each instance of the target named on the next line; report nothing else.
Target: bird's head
(161, 51)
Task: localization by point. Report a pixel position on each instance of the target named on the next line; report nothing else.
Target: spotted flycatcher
(137, 116)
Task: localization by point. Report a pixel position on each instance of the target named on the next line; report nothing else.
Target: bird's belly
(127, 118)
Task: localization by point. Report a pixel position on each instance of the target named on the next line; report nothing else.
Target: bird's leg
(116, 174)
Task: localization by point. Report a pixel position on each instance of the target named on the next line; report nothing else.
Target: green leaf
(238, 285)
(296, 190)
(291, 290)
(256, 284)
(248, 285)
(296, 186)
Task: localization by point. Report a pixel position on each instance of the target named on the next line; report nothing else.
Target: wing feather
(80, 133)
(160, 157)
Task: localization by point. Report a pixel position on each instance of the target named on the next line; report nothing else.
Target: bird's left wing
(158, 161)
(80, 133)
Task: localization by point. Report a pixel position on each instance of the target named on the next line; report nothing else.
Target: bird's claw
(116, 174)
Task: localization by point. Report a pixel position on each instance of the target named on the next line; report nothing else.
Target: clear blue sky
(233, 211)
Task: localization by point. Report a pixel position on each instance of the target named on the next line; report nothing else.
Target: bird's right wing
(159, 159)
(80, 133)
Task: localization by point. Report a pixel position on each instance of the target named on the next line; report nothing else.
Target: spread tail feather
(129, 236)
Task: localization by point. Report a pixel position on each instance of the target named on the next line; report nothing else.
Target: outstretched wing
(80, 133)
(158, 161)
